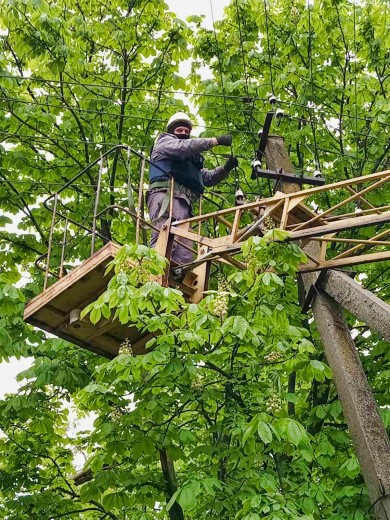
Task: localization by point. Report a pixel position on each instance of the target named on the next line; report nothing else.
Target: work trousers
(181, 210)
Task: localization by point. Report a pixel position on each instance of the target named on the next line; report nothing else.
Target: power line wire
(118, 87)
(332, 152)
(268, 46)
(310, 51)
(243, 111)
(219, 67)
(355, 82)
(251, 119)
(104, 112)
(207, 95)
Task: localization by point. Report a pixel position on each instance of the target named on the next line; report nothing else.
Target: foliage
(212, 393)
(233, 397)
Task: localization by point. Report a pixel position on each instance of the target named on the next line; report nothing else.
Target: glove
(231, 163)
(224, 140)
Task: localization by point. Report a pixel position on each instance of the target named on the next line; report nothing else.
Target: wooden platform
(51, 309)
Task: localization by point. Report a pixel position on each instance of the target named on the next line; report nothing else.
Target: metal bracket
(278, 175)
(281, 175)
(263, 134)
(317, 286)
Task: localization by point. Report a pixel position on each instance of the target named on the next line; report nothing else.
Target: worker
(175, 154)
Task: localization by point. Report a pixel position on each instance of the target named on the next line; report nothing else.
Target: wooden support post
(361, 303)
(357, 400)
(202, 273)
(164, 247)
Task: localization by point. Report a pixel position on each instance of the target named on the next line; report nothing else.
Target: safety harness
(187, 174)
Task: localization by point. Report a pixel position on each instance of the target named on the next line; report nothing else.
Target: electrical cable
(45, 140)
(268, 46)
(355, 84)
(237, 180)
(104, 112)
(172, 92)
(297, 118)
(219, 66)
(254, 99)
(118, 87)
(251, 118)
(313, 126)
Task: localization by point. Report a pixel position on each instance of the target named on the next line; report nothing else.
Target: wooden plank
(204, 241)
(356, 248)
(164, 247)
(105, 254)
(201, 283)
(343, 225)
(283, 220)
(233, 261)
(333, 227)
(236, 224)
(344, 262)
(344, 202)
(107, 351)
(355, 241)
(362, 199)
(363, 212)
(225, 222)
(307, 192)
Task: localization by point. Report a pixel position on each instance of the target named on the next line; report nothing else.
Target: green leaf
(236, 325)
(168, 507)
(95, 315)
(308, 506)
(187, 496)
(249, 431)
(187, 437)
(264, 432)
(294, 432)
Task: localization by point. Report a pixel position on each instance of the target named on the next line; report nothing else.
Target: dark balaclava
(177, 125)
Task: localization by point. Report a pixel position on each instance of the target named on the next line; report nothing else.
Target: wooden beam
(356, 248)
(305, 193)
(201, 282)
(355, 241)
(233, 261)
(342, 225)
(345, 262)
(344, 202)
(362, 199)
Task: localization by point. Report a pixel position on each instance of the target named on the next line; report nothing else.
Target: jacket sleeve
(213, 177)
(167, 145)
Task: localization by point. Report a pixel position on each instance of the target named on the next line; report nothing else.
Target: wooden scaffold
(324, 286)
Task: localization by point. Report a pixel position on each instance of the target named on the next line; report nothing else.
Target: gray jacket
(168, 146)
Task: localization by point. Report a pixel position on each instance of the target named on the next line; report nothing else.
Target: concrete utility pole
(357, 400)
(276, 157)
(360, 302)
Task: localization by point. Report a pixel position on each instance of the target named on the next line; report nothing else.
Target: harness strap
(191, 195)
(164, 204)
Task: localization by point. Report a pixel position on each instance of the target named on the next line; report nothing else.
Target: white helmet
(179, 117)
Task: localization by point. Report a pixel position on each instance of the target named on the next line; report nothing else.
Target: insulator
(279, 114)
(239, 197)
(74, 316)
(272, 99)
(317, 173)
(256, 165)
